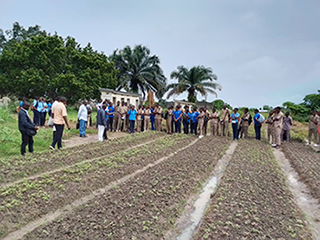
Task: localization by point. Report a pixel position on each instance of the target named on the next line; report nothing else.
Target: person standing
(147, 113)
(139, 118)
(245, 123)
(117, 117)
(313, 122)
(26, 127)
(200, 119)
(235, 117)
(169, 120)
(287, 123)
(152, 118)
(158, 117)
(123, 114)
(277, 125)
(205, 121)
(177, 115)
(89, 120)
(214, 122)
(186, 120)
(83, 118)
(36, 115)
(43, 113)
(110, 118)
(132, 118)
(194, 123)
(102, 122)
(59, 112)
(257, 124)
(225, 120)
(269, 123)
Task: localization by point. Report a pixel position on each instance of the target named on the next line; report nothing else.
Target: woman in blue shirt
(235, 117)
(132, 118)
(177, 115)
(194, 123)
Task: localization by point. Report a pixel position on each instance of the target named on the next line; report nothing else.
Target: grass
(10, 137)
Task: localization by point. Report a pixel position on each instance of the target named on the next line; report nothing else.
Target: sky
(264, 52)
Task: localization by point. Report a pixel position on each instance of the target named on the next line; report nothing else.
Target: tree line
(36, 63)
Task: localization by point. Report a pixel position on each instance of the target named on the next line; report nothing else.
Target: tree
(218, 104)
(313, 101)
(48, 66)
(139, 71)
(195, 80)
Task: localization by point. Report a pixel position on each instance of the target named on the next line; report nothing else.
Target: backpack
(250, 120)
(261, 118)
(165, 115)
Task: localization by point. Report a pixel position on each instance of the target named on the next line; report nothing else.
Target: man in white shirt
(83, 118)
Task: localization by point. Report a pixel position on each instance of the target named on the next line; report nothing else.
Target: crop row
(253, 201)
(18, 168)
(21, 202)
(307, 164)
(143, 207)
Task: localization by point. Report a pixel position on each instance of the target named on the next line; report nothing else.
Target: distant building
(183, 104)
(114, 96)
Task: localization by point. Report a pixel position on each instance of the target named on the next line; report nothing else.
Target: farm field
(253, 201)
(306, 162)
(138, 186)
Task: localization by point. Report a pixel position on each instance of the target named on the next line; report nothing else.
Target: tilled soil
(144, 207)
(32, 199)
(253, 201)
(306, 163)
(20, 167)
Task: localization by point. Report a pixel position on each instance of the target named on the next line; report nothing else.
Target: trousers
(100, 132)
(26, 140)
(146, 123)
(82, 127)
(257, 129)
(169, 125)
(235, 130)
(186, 127)
(214, 129)
(225, 128)
(58, 135)
(158, 124)
(132, 122)
(177, 126)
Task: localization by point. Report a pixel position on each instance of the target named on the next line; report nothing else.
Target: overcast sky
(263, 51)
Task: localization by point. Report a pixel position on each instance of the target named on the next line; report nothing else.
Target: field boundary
(77, 203)
(185, 227)
(73, 165)
(308, 205)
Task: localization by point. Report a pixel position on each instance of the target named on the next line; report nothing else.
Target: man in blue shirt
(177, 115)
(186, 120)
(257, 124)
(110, 119)
(152, 119)
(235, 117)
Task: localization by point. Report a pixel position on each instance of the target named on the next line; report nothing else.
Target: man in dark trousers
(26, 127)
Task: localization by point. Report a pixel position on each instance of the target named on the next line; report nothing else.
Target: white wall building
(114, 96)
(183, 104)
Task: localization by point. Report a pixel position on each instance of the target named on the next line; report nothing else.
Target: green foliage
(299, 112)
(43, 65)
(198, 79)
(139, 71)
(218, 104)
(313, 101)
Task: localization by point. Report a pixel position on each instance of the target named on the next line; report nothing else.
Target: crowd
(123, 117)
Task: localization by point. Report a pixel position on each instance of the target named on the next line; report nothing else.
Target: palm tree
(198, 79)
(139, 71)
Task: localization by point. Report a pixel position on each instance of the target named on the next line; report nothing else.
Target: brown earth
(26, 201)
(144, 207)
(20, 167)
(306, 163)
(253, 201)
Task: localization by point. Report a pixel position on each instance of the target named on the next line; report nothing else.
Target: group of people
(28, 128)
(124, 117)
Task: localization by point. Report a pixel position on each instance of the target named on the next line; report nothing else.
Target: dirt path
(75, 141)
(305, 201)
(80, 202)
(197, 204)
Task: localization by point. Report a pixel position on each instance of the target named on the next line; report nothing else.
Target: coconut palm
(139, 71)
(198, 79)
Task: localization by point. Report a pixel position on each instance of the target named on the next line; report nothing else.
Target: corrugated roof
(119, 92)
